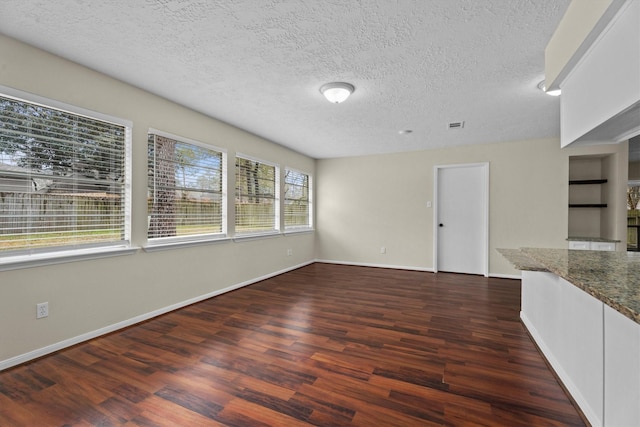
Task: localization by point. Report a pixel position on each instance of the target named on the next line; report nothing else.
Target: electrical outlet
(383, 250)
(289, 252)
(42, 310)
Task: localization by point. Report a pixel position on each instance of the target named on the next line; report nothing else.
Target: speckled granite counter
(521, 261)
(611, 277)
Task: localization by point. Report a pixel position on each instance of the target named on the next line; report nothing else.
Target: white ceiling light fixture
(542, 87)
(337, 92)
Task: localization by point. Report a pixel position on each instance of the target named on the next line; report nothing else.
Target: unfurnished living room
(328, 213)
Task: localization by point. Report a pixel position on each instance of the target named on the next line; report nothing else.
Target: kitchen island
(582, 308)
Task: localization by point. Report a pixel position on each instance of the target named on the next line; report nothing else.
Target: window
(257, 205)
(186, 188)
(297, 200)
(63, 177)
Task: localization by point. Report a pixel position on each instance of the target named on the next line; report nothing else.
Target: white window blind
(62, 179)
(257, 209)
(186, 183)
(297, 200)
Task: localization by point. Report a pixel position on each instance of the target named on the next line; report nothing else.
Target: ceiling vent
(456, 125)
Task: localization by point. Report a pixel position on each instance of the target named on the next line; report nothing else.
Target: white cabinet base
(593, 349)
(621, 370)
(567, 325)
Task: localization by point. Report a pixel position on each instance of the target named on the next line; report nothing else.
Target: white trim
(182, 243)
(20, 95)
(64, 256)
(128, 180)
(404, 267)
(368, 264)
(225, 191)
(485, 170)
(238, 238)
(185, 140)
(278, 221)
(286, 168)
(300, 230)
(256, 159)
(434, 231)
(255, 236)
(506, 276)
(43, 351)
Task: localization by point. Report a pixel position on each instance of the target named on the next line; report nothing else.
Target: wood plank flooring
(325, 345)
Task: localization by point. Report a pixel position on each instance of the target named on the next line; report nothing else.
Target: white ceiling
(259, 64)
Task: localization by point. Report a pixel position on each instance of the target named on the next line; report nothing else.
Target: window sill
(255, 236)
(177, 244)
(50, 258)
(301, 230)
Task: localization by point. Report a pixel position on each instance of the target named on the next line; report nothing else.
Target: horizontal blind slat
(296, 199)
(256, 196)
(64, 176)
(185, 189)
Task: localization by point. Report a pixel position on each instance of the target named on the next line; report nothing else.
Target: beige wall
(85, 296)
(614, 218)
(362, 204)
(365, 203)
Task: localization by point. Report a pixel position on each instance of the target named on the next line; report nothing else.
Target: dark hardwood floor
(326, 345)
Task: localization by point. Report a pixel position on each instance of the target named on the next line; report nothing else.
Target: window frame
(24, 258)
(161, 243)
(276, 200)
(309, 225)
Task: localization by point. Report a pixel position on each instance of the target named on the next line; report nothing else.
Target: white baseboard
(367, 264)
(506, 276)
(404, 267)
(23, 358)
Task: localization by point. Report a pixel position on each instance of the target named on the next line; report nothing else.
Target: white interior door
(461, 220)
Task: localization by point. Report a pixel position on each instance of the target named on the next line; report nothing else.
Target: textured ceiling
(259, 64)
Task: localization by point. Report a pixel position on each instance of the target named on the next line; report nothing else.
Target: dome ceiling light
(542, 87)
(337, 92)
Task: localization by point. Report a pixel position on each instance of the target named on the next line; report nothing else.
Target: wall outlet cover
(42, 310)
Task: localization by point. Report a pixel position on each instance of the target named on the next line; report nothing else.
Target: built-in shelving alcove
(589, 195)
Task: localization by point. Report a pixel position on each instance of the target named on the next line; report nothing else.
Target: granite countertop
(611, 277)
(521, 261)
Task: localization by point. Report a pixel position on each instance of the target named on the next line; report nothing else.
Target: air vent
(456, 125)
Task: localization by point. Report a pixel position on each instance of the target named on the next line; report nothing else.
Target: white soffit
(416, 64)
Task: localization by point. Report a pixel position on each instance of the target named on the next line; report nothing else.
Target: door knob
(440, 225)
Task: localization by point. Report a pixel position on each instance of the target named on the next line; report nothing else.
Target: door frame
(485, 208)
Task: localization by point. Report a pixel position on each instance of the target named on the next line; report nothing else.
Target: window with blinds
(186, 189)
(297, 200)
(62, 179)
(257, 203)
